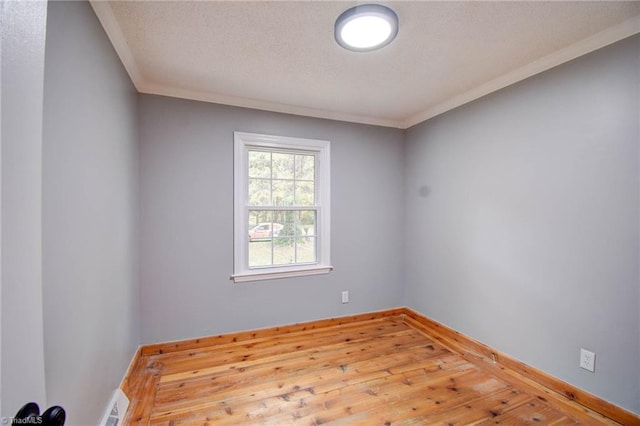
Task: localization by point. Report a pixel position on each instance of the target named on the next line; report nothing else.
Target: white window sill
(271, 275)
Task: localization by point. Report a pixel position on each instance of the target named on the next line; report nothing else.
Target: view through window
(282, 213)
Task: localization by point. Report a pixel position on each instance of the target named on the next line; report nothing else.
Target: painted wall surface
(186, 222)
(89, 214)
(522, 213)
(23, 54)
(514, 219)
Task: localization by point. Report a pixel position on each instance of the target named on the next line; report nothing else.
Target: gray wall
(23, 52)
(528, 238)
(186, 222)
(89, 214)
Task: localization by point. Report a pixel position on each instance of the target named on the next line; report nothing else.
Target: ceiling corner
(599, 40)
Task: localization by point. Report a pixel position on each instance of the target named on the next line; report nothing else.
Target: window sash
(270, 243)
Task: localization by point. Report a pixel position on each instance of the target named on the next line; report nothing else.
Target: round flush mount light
(366, 27)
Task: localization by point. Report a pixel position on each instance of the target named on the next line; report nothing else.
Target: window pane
(282, 193)
(283, 251)
(257, 216)
(305, 167)
(259, 164)
(261, 229)
(260, 224)
(282, 165)
(305, 195)
(306, 250)
(288, 221)
(306, 222)
(259, 192)
(260, 253)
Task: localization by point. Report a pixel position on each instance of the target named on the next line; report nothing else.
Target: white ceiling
(282, 56)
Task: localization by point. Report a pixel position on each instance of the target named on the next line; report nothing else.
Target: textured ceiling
(282, 56)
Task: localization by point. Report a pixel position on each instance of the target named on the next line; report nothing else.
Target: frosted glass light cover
(366, 32)
(366, 27)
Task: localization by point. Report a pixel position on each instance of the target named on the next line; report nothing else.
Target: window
(282, 207)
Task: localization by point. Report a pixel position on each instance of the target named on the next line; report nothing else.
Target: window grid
(297, 224)
(295, 179)
(275, 241)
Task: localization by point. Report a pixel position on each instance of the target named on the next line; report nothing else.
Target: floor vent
(116, 409)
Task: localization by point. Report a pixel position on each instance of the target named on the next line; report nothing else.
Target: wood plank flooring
(381, 371)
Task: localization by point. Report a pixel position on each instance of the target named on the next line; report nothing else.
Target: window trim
(243, 142)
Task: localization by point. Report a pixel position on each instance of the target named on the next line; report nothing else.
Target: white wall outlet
(587, 360)
(345, 297)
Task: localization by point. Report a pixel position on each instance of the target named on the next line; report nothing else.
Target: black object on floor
(29, 414)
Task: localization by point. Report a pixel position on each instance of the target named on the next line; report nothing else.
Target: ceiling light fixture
(366, 27)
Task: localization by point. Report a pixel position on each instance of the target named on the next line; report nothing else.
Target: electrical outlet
(587, 360)
(345, 297)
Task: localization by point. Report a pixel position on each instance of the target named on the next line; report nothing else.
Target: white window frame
(243, 142)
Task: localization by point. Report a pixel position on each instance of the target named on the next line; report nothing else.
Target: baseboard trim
(465, 344)
(181, 345)
(131, 370)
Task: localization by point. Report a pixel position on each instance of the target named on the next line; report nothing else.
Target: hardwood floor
(383, 371)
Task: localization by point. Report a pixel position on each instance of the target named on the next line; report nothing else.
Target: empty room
(318, 212)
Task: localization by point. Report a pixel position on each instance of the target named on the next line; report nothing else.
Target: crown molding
(196, 95)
